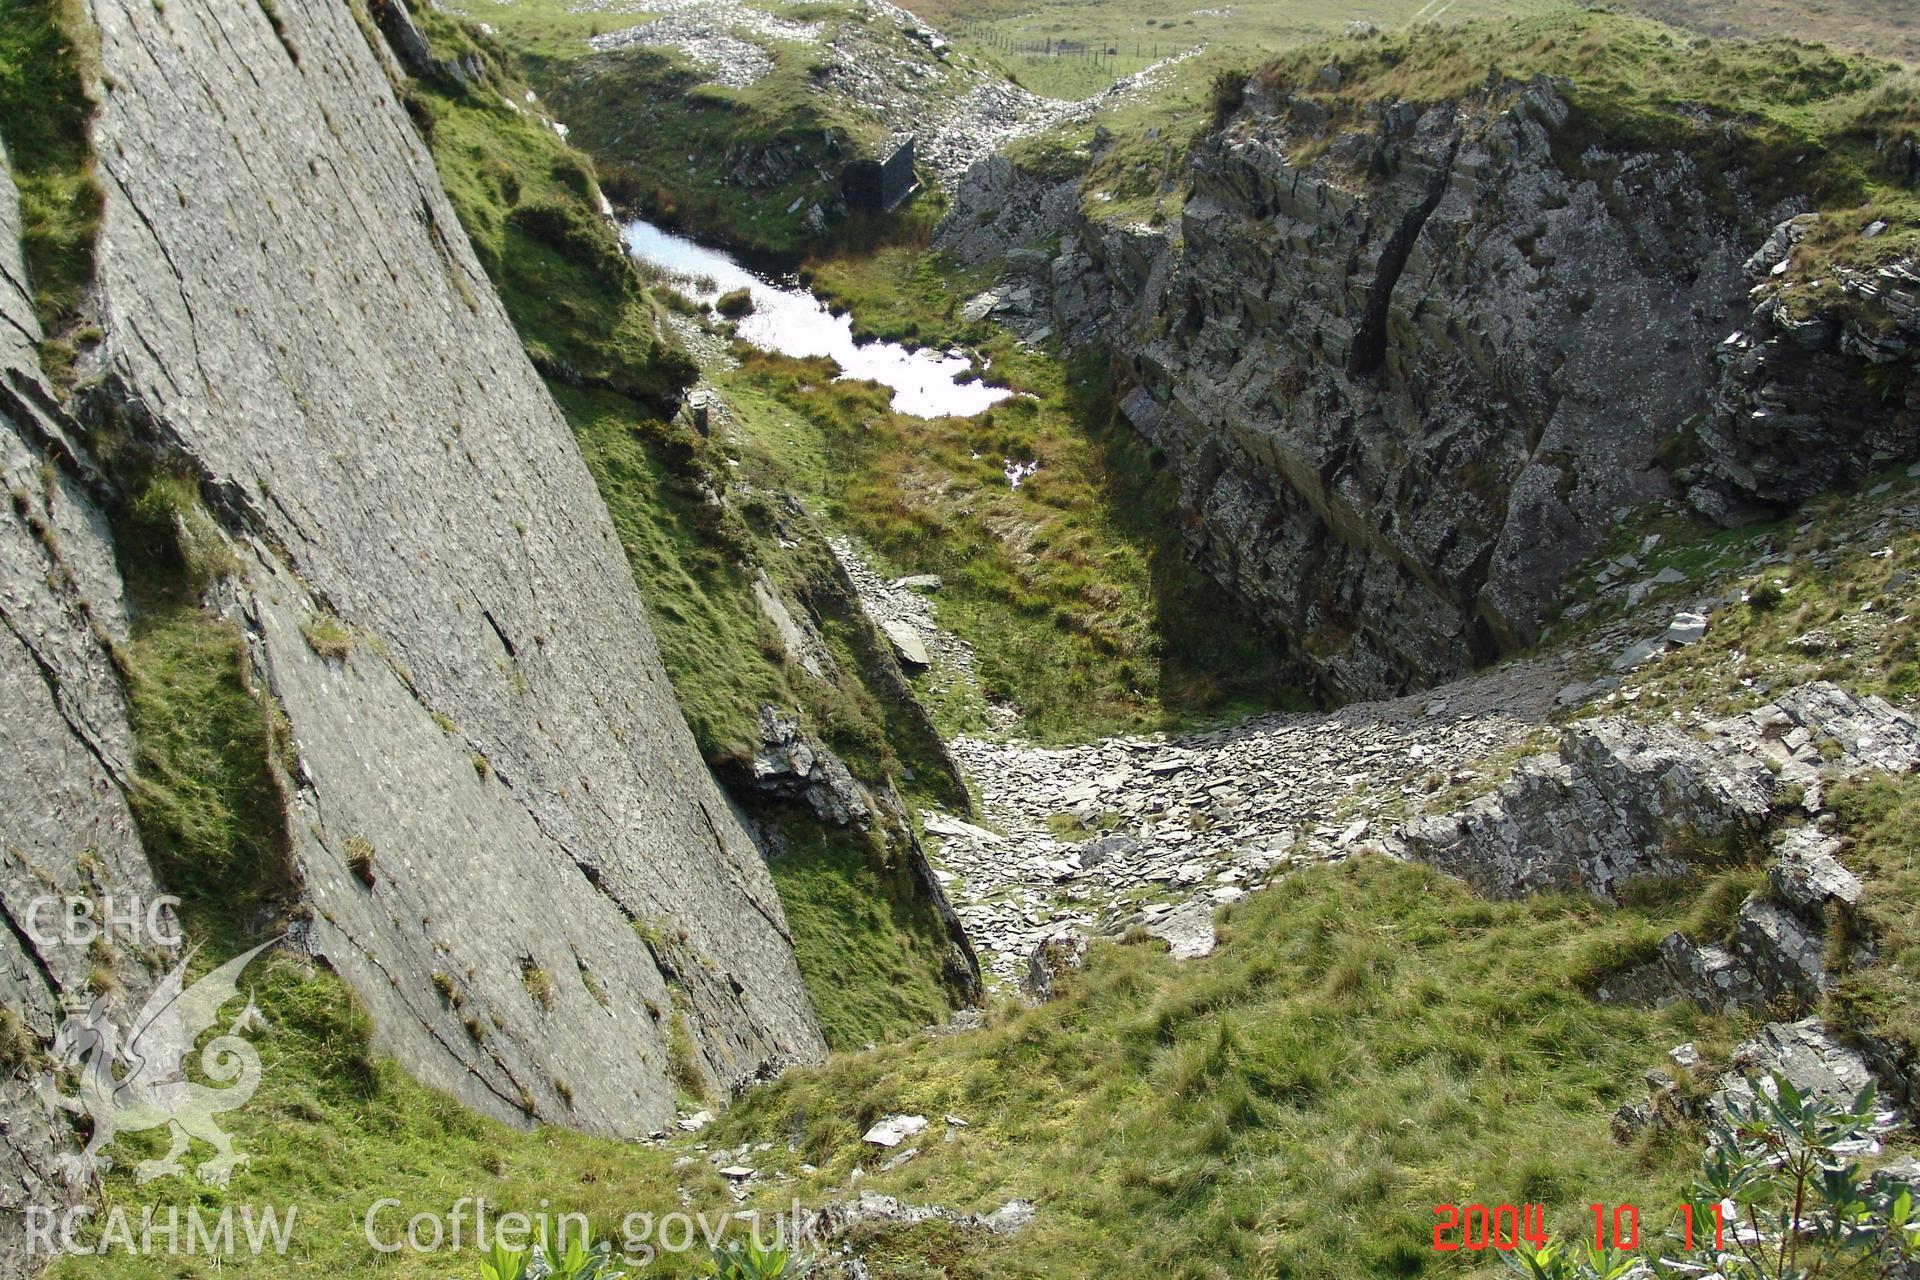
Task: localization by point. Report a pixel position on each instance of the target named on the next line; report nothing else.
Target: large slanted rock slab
(66, 752)
(293, 312)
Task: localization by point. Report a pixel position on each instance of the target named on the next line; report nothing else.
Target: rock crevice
(1410, 368)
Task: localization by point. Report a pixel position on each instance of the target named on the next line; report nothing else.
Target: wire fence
(1104, 56)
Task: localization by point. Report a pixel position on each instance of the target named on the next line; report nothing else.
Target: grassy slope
(1074, 588)
(1139, 31)
(1827, 602)
(528, 201)
(1884, 28)
(1880, 824)
(666, 138)
(45, 50)
(1368, 1041)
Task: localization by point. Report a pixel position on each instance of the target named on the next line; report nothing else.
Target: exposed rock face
(1400, 384)
(1607, 809)
(66, 749)
(791, 765)
(1806, 1054)
(293, 311)
(1618, 797)
(1791, 414)
(1001, 206)
(1407, 380)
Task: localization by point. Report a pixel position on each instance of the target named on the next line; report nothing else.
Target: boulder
(891, 1131)
(1187, 930)
(908, 644)
(1687, 628)
(1052, 958)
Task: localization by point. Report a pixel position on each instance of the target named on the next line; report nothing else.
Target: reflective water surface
(789, 320)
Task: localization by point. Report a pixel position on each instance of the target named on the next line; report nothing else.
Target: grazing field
(1072, 48)
(1884, 28)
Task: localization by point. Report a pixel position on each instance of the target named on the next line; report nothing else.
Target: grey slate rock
(1809, 877)
(66, 747)
(907, 644)
(1599, 814)
(383, 451)
(1806, 1054)
(791, 764)
(1781, 951)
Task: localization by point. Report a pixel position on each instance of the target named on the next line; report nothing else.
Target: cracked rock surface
(66, 748)
(1411, 365)
(292, 309)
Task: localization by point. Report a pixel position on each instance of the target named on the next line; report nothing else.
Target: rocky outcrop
(66, 756)
(1001, 207)
(490, 778)
(1616, 804)
(1622, 801)
(1803, 399)
(789, 764)
(1806, 1053)
(1410, 362)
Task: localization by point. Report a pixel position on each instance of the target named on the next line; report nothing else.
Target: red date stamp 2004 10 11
(1477, 1226)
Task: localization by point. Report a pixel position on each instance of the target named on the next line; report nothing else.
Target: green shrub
(1802, 1203)
(47, 54)
(18, 1047)
(735, 304)
(328, 637)
(746, 1260)
(578, 1261)
(564, 225)
(1226, 94)
(359, 851)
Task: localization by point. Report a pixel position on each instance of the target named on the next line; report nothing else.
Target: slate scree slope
(293, 314)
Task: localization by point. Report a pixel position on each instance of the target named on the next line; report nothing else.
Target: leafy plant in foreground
(578, 1261)
(746, 1260)
(1782, 1174)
